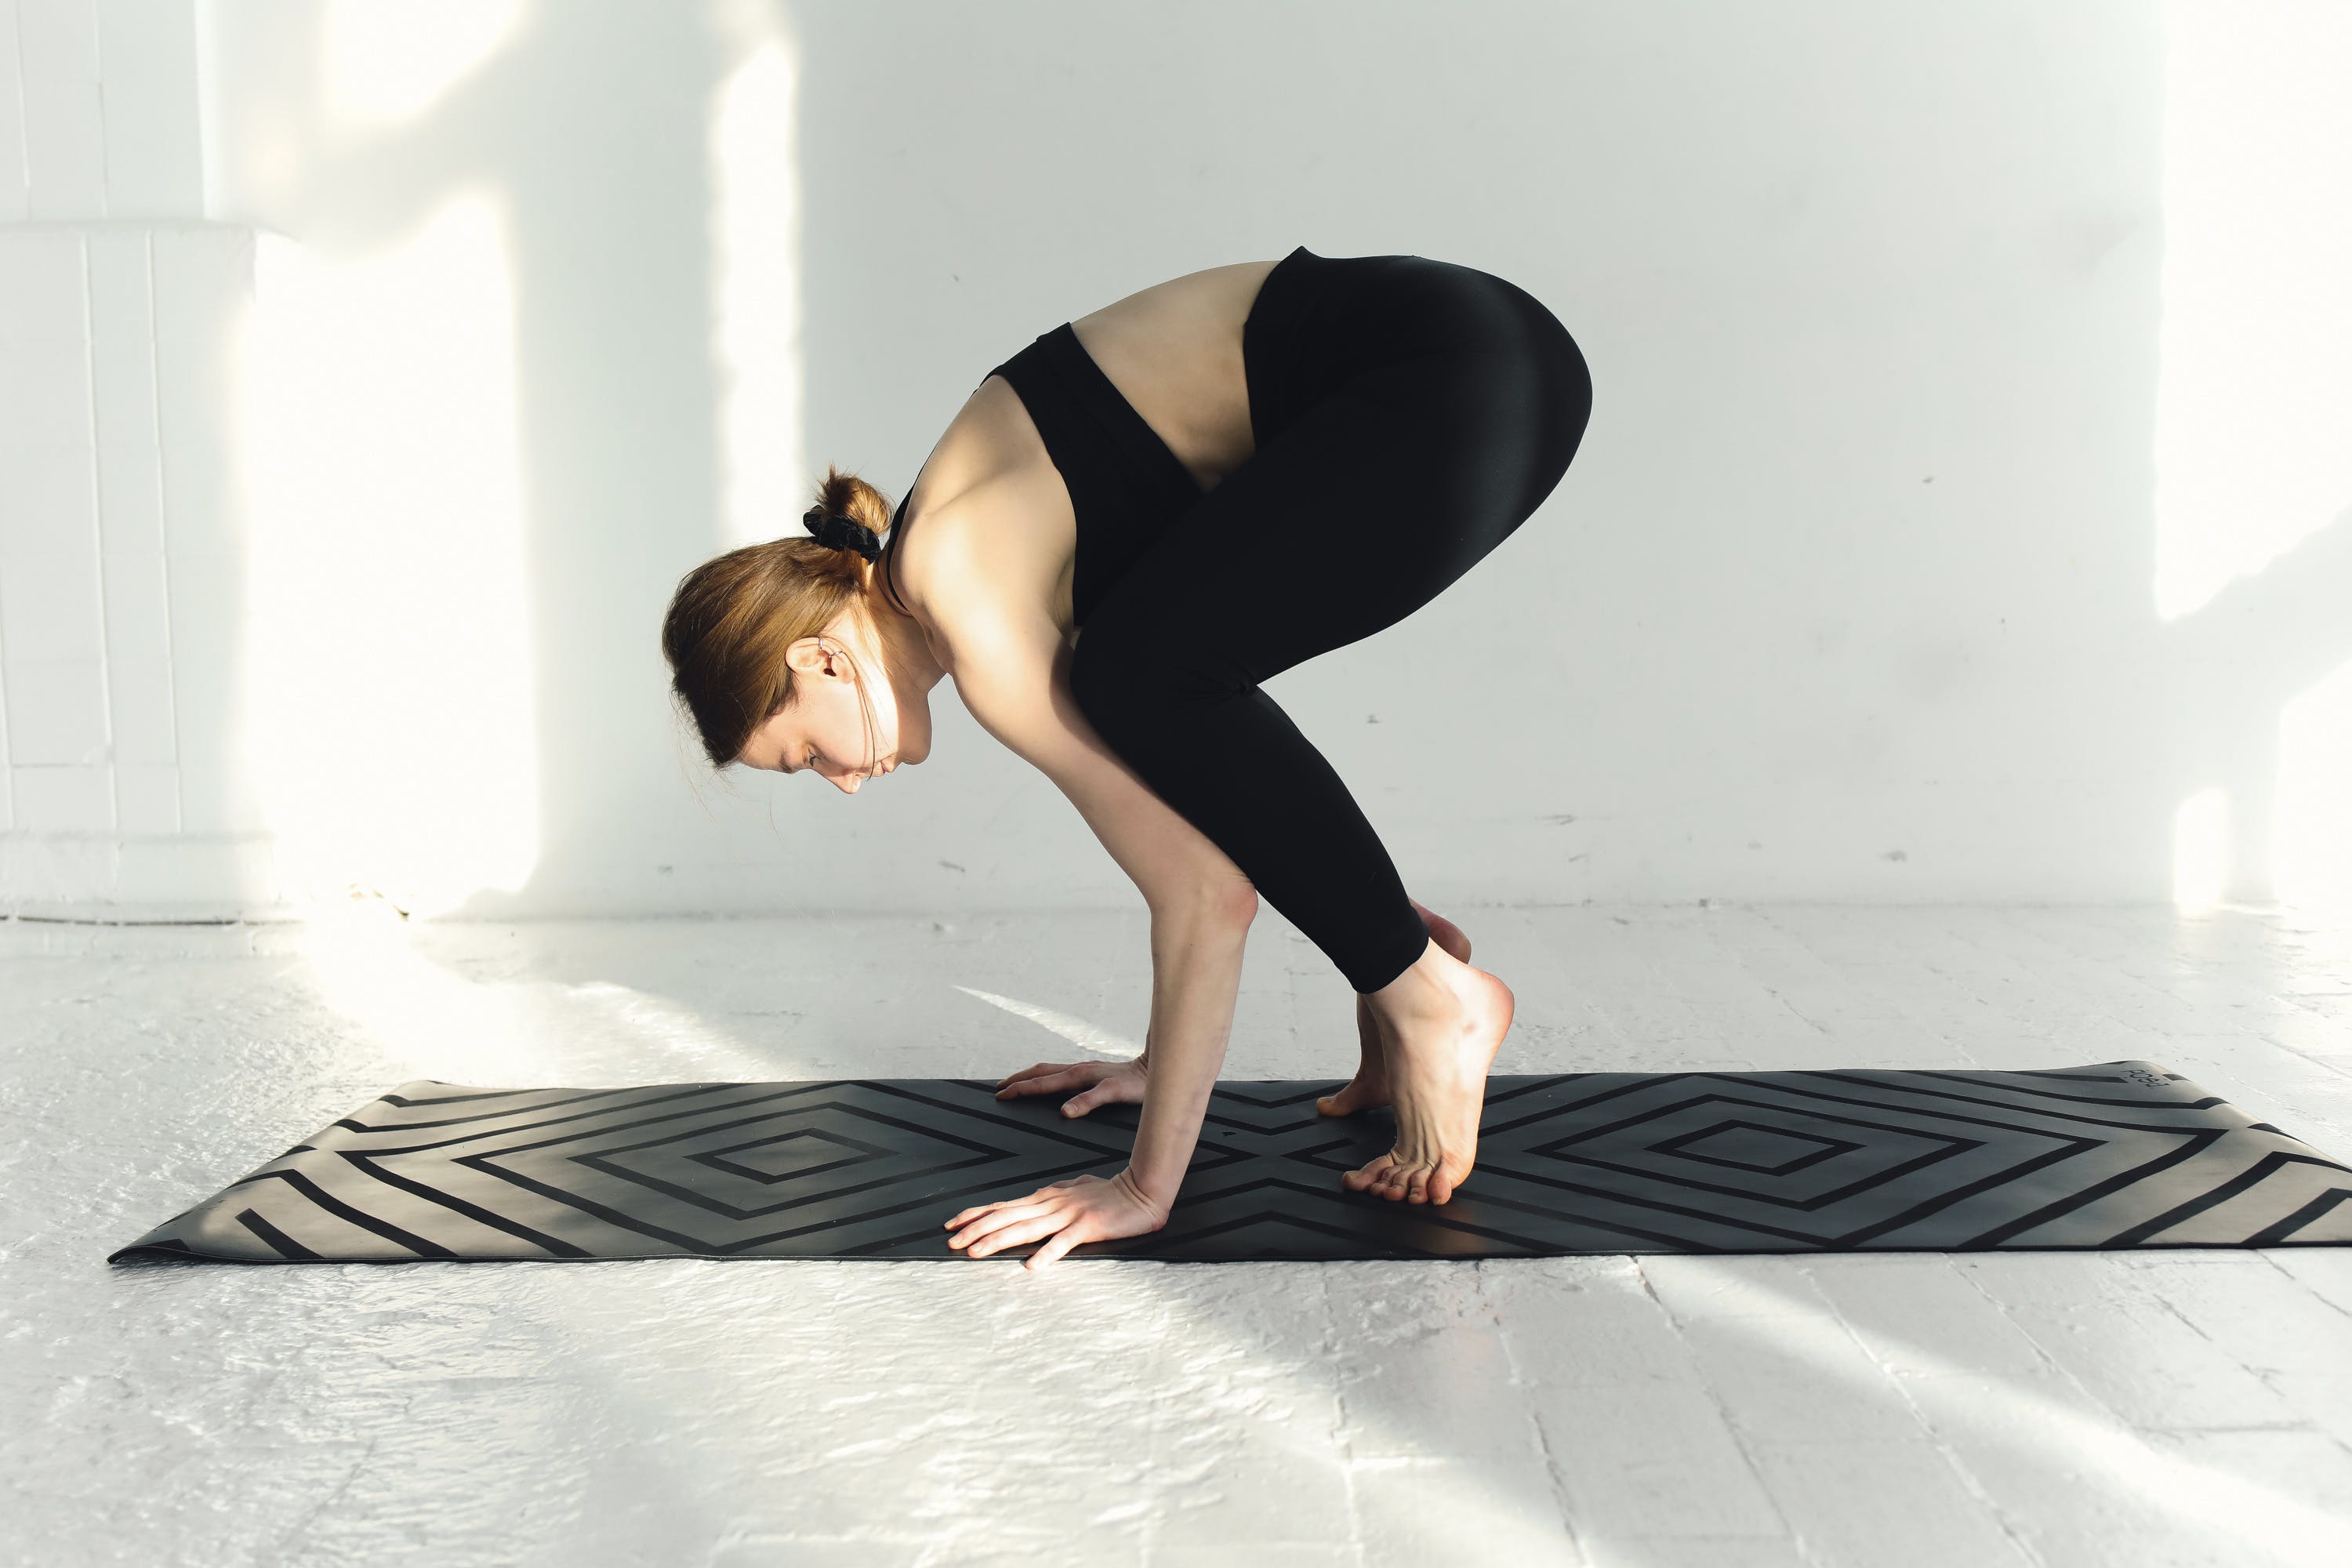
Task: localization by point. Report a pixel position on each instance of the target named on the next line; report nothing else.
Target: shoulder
(988, 639)
(989, 555)
(1009, 666)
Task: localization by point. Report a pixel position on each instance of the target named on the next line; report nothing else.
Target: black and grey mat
(2123, 1154)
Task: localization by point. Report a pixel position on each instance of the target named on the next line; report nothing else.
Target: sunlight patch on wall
(389, 660)
(2311, 845)
(2253, 424)
(755, 283)
(380, 64)
(2201, 850)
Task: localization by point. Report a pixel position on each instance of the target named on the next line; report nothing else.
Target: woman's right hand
(1103, 1083)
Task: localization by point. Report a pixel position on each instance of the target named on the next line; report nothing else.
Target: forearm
(1196, 970)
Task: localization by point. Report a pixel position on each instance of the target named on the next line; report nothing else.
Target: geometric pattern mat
(2122, 1154)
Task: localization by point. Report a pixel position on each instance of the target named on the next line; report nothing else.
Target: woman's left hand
(1088, 1208)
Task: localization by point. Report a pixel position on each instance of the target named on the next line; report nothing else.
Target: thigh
(1365, 506)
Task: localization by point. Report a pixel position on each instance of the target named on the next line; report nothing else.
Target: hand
(1105, 1083)
(1085, 1208)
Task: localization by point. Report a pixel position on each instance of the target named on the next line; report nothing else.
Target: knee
(1220, 901)
(1231, 901)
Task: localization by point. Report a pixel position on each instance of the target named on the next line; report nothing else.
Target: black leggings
(1408, 415)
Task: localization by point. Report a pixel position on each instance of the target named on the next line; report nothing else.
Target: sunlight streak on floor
(693, 1048)
(1080, 1032)
(370, 967)
(361, 959)
(1954, 1396)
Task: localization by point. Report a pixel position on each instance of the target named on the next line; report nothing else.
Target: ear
(806, 656)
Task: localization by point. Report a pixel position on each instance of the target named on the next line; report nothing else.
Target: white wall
(119, 555)
(1850, 594)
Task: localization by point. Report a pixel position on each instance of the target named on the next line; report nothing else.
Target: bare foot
(1443, 1022)
(1370, 1087)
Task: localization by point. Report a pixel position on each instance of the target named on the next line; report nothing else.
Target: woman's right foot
(1443, 1022)
(1370, 1085)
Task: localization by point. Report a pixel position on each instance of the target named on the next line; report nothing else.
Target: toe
(1417, 1187)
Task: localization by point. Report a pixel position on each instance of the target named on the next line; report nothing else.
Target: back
(990, 517)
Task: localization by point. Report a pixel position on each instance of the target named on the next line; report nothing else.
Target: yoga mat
(2122, 1154)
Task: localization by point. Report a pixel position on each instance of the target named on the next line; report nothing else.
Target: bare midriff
(990, 501)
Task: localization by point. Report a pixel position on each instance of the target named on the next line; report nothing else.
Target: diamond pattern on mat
(2115, 1155)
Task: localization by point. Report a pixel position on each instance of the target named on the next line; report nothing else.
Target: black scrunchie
(840, 533)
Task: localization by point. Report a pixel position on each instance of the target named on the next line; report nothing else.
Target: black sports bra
(1126, 486)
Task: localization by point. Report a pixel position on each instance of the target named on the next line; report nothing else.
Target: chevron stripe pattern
(2123, 1154)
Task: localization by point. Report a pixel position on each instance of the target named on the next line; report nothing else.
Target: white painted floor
(2140, 1409)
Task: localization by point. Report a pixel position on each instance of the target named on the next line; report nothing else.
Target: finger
(1051, 1252)
(995, 1217)
(1021, 1233)
(1107, 1091)
(989, 1224)
(983, 1208)
(1061, 1078)
(1040, 1195)
(1031, 1071)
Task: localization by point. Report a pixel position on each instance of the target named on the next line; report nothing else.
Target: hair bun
(839, 533)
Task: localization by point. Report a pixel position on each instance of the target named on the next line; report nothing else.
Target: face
(823, 731)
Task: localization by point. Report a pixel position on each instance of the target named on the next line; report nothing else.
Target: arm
(1012, 674)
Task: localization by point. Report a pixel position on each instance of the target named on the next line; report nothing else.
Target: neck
(906, 651)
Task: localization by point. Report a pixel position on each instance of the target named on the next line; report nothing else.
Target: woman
(1132, 524)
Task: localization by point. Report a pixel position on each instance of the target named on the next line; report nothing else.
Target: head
(789, 656)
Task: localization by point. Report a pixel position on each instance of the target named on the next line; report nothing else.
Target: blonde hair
(733, 619)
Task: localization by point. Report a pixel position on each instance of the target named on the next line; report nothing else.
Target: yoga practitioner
(1131, 525)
